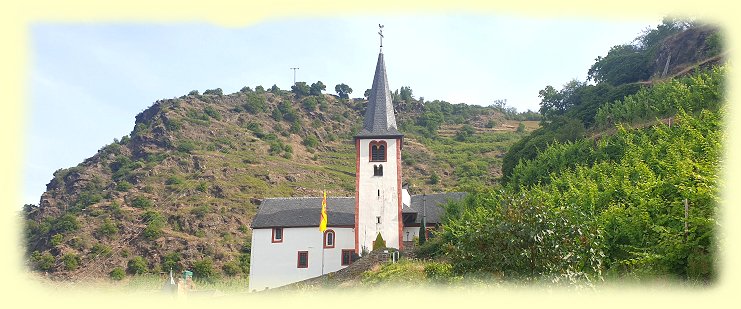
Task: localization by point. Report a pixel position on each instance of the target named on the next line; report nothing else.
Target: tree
(137, 265)
(343, 91)
(300, 89)
(379, 243)
(367, 93)
(274, 89)
(216, 91)
(317, 88)
(405, 94)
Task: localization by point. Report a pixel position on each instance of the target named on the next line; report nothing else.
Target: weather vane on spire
(380, 32)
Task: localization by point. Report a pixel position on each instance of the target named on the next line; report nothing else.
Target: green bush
(65, 223)
(117, 273)
(439, 272)
(123, 186)
(141, 202)
(43, 261)
(204, 268)
(200, 211)
(108, 228)
(57, 239)
(211, 112)
(379, 243)
(172, 261)
(71, 261)
(174, 180)
(309, 104)
(99, 250)
(231, 268)
(186, 146)
(216, 91)
(137, 266)
(311, 141)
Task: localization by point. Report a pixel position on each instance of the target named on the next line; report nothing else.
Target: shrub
(491, 124)
(193, 92)
(521, 128)
(137, 266)
(56, 239)
(123, 186)
(117, 273)
(245, 89)
(43, 261)
(203, 268)
(231, 268)
(171, 261)
(216, 91)
(244, 262)
(186, 146)
(65, 223)
(200, 211)
(309, 104)
(211, 112)
(255, 103)
(174, 180)
(439, 272)
(311, 141)
(71, 261)
(141, 202)
(99, 249)
(434, 178)
(108, 228)
(379, 243)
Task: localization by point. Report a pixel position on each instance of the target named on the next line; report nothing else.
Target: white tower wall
(378, 197)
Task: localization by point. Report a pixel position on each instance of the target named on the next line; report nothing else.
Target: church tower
(378, 192)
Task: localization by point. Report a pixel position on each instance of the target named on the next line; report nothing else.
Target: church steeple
(378, 195)
(379, 113)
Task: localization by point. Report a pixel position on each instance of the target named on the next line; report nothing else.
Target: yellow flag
(323, 220)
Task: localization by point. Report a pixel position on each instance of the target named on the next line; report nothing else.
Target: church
(287, 245)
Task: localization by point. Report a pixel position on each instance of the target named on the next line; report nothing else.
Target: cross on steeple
(380, 32)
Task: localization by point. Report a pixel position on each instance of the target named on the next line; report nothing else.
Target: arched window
(378, 170)
(378, 151)
(329, 239)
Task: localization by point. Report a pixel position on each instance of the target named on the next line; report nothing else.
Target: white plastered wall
(275, 264)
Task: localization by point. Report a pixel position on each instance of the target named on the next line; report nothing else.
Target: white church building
(287, 245)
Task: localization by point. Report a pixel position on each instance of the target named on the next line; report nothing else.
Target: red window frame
(275, 240)
(349, 253)
(378, 144)
(298, 260)
(334, 238)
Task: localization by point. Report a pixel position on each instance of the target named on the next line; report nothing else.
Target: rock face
(683, 50)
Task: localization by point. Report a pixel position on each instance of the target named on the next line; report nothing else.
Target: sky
(88, 81)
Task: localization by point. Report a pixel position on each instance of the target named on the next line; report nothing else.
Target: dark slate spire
(379, 114)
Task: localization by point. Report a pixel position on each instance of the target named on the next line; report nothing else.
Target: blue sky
(87, 81)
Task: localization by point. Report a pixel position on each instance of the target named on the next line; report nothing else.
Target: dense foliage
(617, 205)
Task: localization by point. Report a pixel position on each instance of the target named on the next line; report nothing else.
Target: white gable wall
(275, 264)
(373, 204)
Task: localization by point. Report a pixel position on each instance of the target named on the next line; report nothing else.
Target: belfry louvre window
(378, 151)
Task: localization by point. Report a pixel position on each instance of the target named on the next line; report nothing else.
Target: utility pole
(294, 75)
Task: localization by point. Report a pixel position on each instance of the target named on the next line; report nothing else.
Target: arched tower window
(378, 170)
(378, 151)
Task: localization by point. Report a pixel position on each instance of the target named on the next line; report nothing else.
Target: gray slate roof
(379, 112)
(305, 211)
(432, 205)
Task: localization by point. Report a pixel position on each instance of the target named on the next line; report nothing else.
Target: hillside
(621, 182)
(180, 191)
